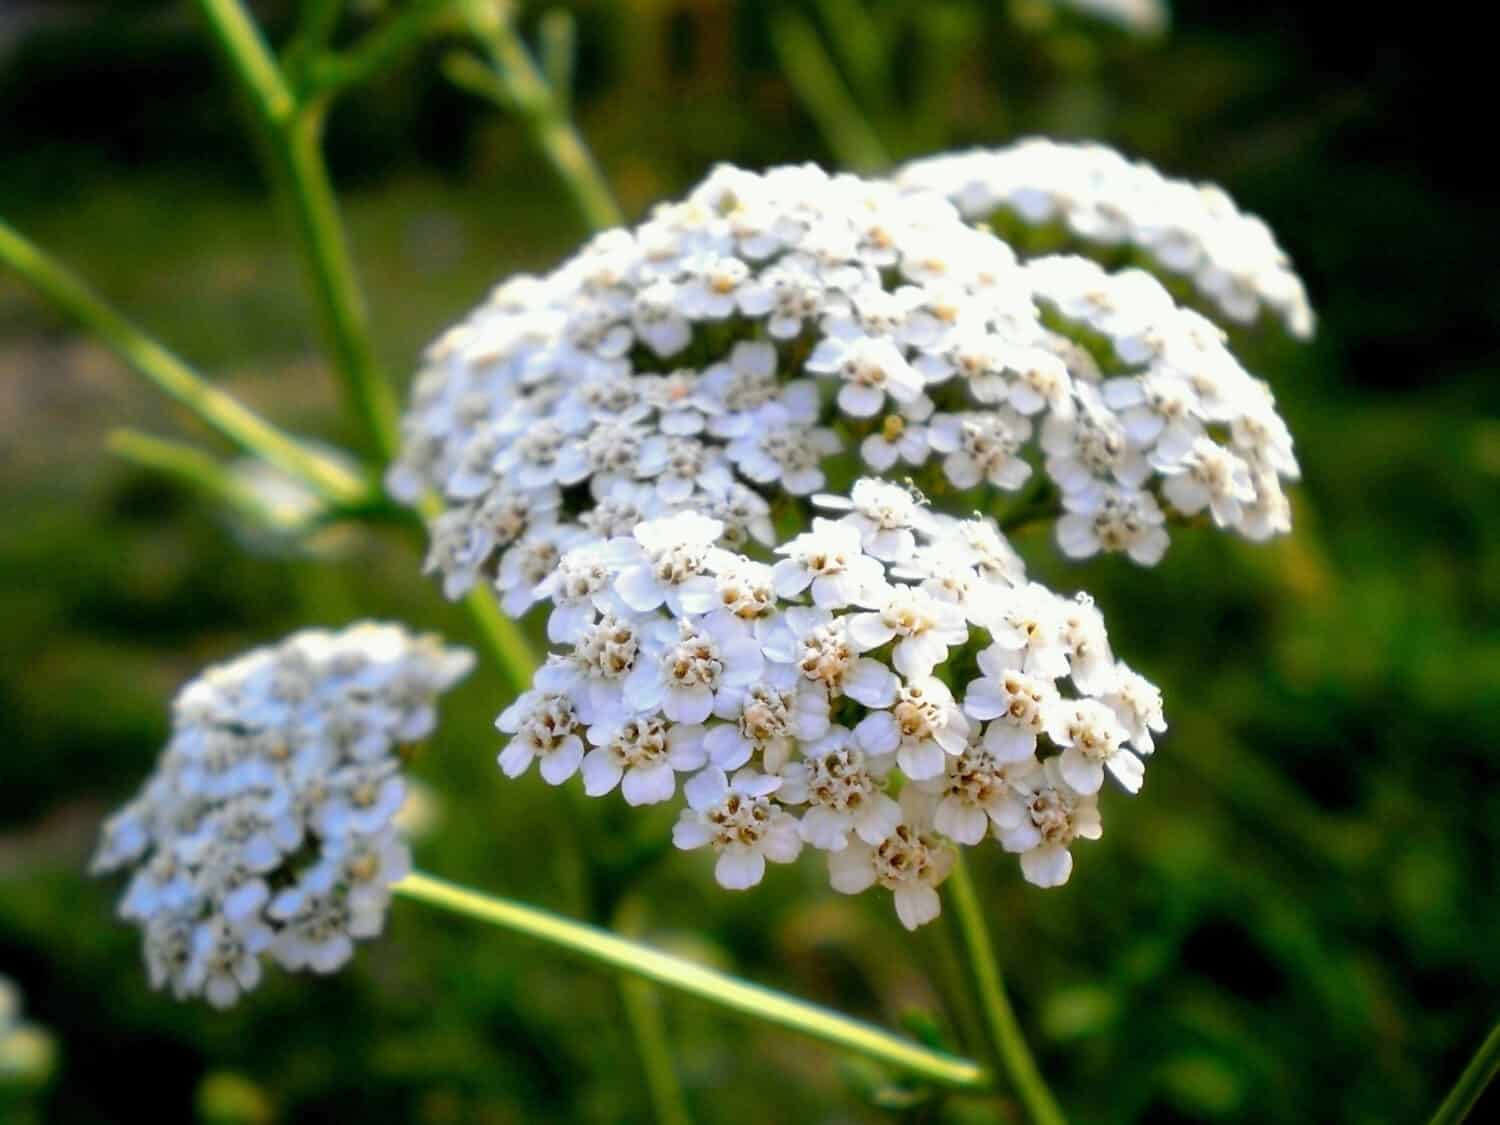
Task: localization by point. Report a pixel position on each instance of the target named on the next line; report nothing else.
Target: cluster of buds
(268, 826)
(772, 332)
(889, 688)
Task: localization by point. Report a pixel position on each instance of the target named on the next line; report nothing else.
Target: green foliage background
(1297, 920)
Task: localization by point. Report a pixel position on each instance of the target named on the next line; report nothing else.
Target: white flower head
(740, 822)
(282, 772)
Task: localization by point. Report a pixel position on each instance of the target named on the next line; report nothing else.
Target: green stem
(180, 461)
(1007, 1044)
(222, 412)
(514, 82)
(816, 81)
(331, 73)
(763, 1004)
(293, 133)
(643, 1012)
(1472, 1082)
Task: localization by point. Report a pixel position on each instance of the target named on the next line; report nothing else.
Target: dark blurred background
(1297, 921)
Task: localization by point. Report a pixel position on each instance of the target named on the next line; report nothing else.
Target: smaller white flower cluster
(1187, 230)
(891, 687)
(267, 827)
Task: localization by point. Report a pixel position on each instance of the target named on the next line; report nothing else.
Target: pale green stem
(762, 1004)
(1007, 1045)
(1472, 1082)
(222, 412)
(816, 81)
(293, 135)
(514, 82)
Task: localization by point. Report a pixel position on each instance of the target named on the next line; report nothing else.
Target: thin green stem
(1007, 1044)
(515, 83)
(816, 81)
(643, 1011)
(179, 460)
(1471, 1083)
(763, 1004)
(222, 412)
(328, 74)
(642, 1005)
(293, 135)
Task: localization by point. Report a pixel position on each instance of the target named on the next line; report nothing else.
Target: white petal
(739, 870)
(1047, 867)
(918, 905)
(601, 773)
(649, 786)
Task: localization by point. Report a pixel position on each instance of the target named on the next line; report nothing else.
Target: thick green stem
(1007, 1044)
(763, 1004)
(1472, 1082)
(514, 82)
(222, 412)
(293, 135)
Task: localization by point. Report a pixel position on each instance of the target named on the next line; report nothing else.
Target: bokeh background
(1297, 921)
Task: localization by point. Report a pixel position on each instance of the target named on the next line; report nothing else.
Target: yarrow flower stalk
(650, 441)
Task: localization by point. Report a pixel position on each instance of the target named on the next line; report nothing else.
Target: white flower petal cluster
(267, 828)
(738, 346)
(1103, 199)
(807, 702)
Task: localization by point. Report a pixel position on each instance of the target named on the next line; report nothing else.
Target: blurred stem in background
(1472, 1082)
(817, 81)
(1007, 1044)
(219, 411)
(513, 81)
(292, 128)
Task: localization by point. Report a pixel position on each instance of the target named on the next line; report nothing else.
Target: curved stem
(293, 134)
(222, 412)
(764, 1004)
(1007, 1044)
(1472, 1082)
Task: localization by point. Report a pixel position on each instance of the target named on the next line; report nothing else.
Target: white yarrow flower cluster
(1103, 199)
(267, 828)
(807, 702)
(738, 346)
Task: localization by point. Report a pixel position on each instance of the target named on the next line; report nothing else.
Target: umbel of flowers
(890, 688)
(267, 828)
(658, 440)
(773, 333)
